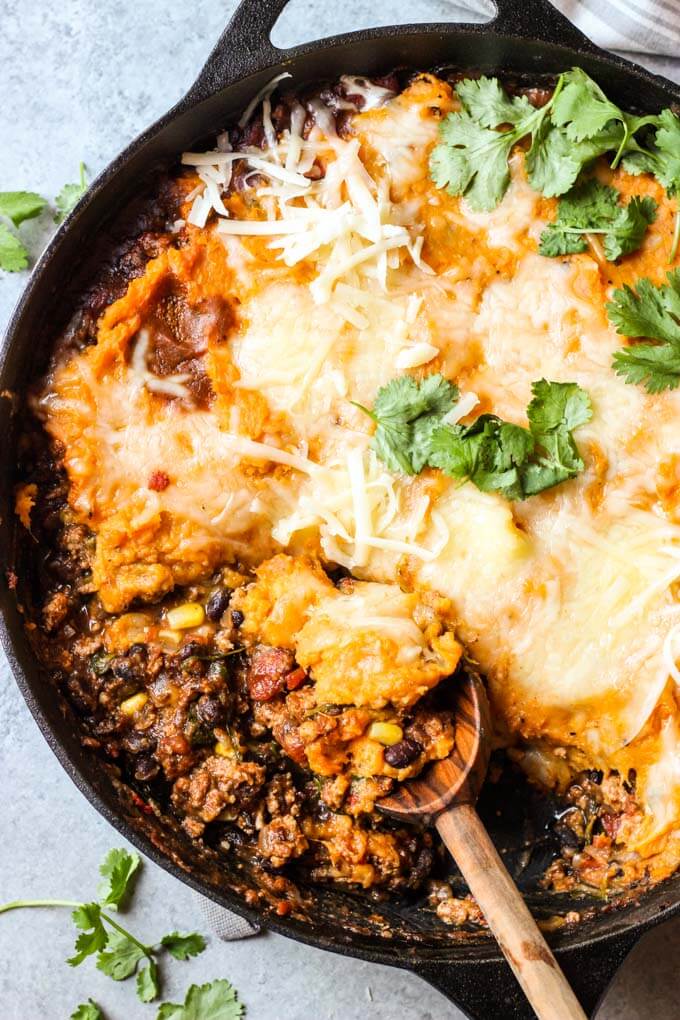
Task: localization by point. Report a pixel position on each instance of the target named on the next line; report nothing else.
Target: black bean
(137, 742)
(237, 617)
(123, 669)
(146, 768)
(217, 604)
(209, 710)
(568, 837)
(402, 754)
(190, 649)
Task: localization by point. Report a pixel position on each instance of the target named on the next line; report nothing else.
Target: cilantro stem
(123, 931)
(676, 235)
(37, 903)
(627, 134)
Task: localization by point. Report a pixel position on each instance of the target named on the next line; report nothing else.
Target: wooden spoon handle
(525, 949)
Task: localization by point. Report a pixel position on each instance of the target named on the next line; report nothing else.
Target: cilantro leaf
(182, 947)
(654, 366)
(628, 227)
(21, 205)
(661, 156)
(472, 160)
(557, 405)
(117, 869)
(593, 208)
(214, 1001)
(122, 957)
(554, 412)
(487, 102)
(148, 986)
(472, 156)
(69, 196)
(405, 412)
(13, 255)
(87, 1011)
(93, 936)
(582, 106)
(652, 312)
(490, 453)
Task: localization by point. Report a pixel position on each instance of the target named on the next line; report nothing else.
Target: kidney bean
(402, 754)
(296, 679)
(267, 671)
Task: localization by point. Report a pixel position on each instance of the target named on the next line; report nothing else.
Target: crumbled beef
(55, 610)
(281, 797)
(216, 784)
(281, 840)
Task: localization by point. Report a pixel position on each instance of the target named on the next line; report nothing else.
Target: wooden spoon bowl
(445, 795)
(459, 777)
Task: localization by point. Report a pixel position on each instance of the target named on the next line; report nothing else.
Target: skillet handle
(243, 47)
(487, 989)
(539, 20)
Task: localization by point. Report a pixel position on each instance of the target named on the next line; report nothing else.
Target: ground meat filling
(228, 730)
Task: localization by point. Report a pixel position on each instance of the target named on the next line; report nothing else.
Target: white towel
(636, 26)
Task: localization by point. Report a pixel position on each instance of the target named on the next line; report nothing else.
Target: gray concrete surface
(78, 80)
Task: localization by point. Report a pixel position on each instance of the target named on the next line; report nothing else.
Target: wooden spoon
(445, 795)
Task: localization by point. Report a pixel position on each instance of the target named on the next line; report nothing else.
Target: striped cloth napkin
(636, 26)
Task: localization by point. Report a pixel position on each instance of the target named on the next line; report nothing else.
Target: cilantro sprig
(592, 208)
(577, 124)
(87, 1011)
(215, 1001)
(19, 206)
(495, 455)
(119, 953)
(652, 312)
(406, 412)
(70, 195)
(472, 157)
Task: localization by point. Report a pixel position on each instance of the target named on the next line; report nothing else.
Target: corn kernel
(134, 704)
(224, 749)
(189, 614)
(172, 636)
(386, 733)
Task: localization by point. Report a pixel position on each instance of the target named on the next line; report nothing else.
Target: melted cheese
(566, 600)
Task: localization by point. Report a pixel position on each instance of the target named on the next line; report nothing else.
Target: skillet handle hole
(302, 21)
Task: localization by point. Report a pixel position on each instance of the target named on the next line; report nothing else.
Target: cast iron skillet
(529, 40)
